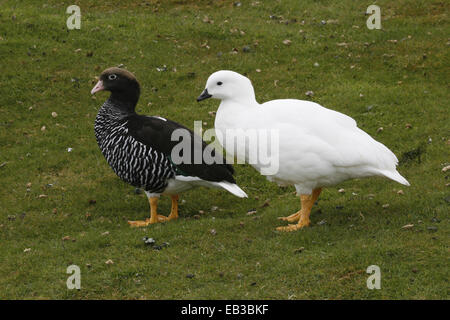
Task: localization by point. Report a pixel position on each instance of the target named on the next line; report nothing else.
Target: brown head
(121, 83)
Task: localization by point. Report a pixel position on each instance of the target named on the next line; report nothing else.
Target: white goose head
(229, 85)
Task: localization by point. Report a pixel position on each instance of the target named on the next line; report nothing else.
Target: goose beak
(204, 95)
(98, 87)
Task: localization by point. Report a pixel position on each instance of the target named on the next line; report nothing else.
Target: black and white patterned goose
(138, 148)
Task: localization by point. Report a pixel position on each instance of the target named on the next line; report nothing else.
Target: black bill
(204, 95)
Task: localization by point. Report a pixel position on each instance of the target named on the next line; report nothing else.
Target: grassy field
(60, 208)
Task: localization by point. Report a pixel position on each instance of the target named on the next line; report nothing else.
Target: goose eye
(112, 77)
(219, 83)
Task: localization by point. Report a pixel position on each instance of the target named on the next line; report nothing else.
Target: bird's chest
(121, 150)
(235, 132)
(131, 160)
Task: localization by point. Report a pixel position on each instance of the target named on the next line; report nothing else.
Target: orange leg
(174, 211)
(154, 216)
(302, 216)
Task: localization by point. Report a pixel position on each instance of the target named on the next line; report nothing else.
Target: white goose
(317, 147)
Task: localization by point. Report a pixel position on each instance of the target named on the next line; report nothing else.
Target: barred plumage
(133, 161)
(138, 148)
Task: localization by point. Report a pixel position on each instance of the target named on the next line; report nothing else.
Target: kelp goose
(317, 147)
(138, 148)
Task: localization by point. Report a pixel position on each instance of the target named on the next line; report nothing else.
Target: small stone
(214, 208)
(42, 196)
(341, 190)
(201, 212)
(105, 233)
(309, 93)
(408, 226)
(109, 261)
(246, 49)
(400, 192)
(65, 238)
(446, 168)
(190, 275)
(408, 126)
(385, 206)
(251, 212)
(287, 42)
(54, 114)
(239, 276)
(266, 203)
(432, 229)
(316, 64)
(43, 128)
(320, 223)
(380, 129)
(29, 185)
(27, 250)
(88, 265)
(299, 250)
(69, 149)
(149, 241)
(258, 70)
(213, 232)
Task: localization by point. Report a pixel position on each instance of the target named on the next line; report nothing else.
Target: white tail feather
(394, 175)
(232, 188)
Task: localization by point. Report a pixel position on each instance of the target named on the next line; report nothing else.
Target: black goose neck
(125, 100)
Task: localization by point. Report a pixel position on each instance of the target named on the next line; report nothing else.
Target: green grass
(42, 71)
